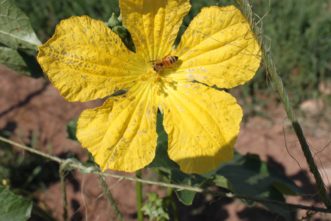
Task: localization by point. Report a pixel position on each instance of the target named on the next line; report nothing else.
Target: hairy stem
(64, 193)
(109, 196)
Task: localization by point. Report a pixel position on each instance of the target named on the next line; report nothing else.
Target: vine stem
(139, 197)
(109, 196)
(279, 88)
(62, 172)
(75, 164)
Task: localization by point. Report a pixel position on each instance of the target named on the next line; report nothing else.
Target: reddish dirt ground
(34, 106)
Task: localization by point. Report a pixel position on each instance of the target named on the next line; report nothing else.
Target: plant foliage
(14, 207)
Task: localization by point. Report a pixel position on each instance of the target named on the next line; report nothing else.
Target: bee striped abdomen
(171, 60)
(166, 62)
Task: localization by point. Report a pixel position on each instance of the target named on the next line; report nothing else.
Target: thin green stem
(279, 88)
(139, 194)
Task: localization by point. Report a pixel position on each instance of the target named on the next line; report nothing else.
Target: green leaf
(221, 181)
(282, 210)
(71, 129)
(155, 208)
(15, 28)
(193, 180)
(186, 197)
(14, 207)
(283, 187)
(18, 42)
(249, 176)
(11, 58)
(20, 61)
(113, 21)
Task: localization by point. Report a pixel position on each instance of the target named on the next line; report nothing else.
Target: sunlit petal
(202, 126)
(121, 134)
(218, 48)
(153, 24)
(84, 60)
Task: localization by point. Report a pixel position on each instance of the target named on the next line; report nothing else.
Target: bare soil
(34, 107)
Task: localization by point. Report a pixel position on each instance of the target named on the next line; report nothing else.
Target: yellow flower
(85, 60)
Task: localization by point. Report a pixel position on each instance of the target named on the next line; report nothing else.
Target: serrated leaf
(15, 28)
(14, 207)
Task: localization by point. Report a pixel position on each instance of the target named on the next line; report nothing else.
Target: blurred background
(32, 112)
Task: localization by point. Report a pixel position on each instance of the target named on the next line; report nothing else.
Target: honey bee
(166, 62)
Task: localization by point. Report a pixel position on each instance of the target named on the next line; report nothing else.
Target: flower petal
(218, 48)
(121, 134)
(84, 60)
(202, 124)
(153, 24)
